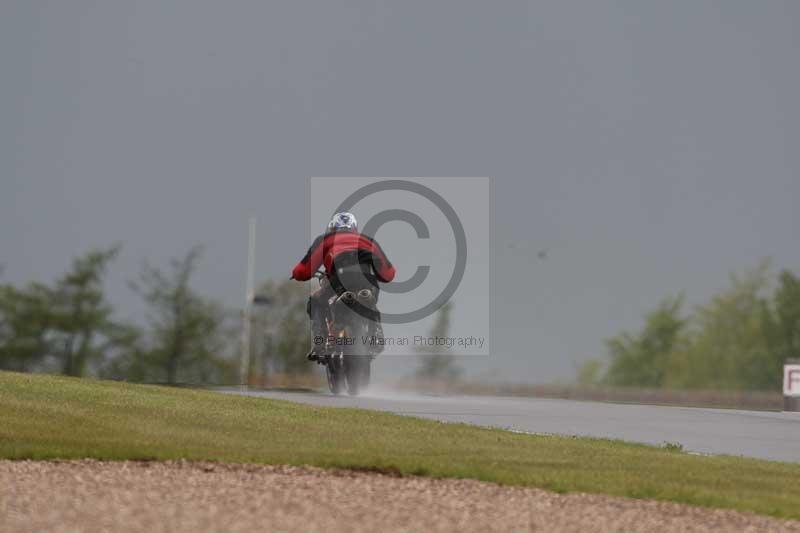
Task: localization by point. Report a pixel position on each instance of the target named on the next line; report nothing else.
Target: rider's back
(336, 247)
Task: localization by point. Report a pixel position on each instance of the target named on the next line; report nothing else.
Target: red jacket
(326, 247)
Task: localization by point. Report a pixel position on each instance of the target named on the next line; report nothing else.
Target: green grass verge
(47, 417)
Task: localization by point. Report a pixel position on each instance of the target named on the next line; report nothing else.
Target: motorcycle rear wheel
(336, 377)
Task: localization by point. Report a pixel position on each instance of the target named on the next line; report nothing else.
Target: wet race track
(761, 434)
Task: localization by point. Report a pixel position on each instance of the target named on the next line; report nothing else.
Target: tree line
(70, 327)
(738, 340)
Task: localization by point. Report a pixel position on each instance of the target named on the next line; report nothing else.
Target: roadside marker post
(244, 369)
(791, 385)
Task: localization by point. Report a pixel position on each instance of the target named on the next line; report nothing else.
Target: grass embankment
(46, 417)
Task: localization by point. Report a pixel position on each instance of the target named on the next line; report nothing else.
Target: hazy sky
(650, 146)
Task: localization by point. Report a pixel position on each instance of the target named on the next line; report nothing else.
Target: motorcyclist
(341, 246)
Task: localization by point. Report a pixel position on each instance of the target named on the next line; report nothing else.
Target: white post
(248, 304)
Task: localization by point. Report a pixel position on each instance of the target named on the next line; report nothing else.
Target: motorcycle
(348, 348)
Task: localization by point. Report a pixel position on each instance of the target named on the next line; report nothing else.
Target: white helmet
(343, 221)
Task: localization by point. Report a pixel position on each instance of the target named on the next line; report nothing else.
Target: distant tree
(737, 341)
(80, 314)
(641, 359)
(590, 372)
(135, 362)
(728, 346)
(25, 321)
(438, 363)
(783, 327)
(66, 327)
(187, 336)
(281, 332)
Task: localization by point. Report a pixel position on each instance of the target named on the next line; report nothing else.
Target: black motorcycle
(350, 346)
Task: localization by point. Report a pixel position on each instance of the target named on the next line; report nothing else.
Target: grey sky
(651, 146)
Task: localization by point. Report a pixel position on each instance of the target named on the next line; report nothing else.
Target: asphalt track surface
(761, 434)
